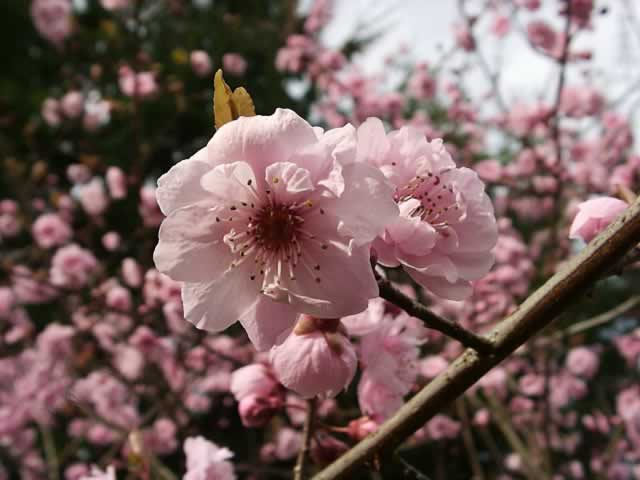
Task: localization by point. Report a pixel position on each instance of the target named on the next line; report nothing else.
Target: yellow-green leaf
(228, 105)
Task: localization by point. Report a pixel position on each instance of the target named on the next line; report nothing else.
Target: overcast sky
(422, 25)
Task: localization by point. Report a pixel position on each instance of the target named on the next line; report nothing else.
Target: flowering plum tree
(431, 279)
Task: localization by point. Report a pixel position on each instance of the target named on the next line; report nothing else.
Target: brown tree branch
(535, 313)
(431, 320)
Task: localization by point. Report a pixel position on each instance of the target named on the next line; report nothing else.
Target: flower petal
(230, 182)
(190, 246)
(341, 286)
(180, 186)
(366, 206)
(214, 306)
(268, 323)
(261, 140)
(457, 290)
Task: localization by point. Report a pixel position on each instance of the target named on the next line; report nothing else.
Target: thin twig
(564, 57)
(50, 453)
(503, 422)
(562, 290)
(418, 475)
(431, 320)
(300, 470)
(594, 322)
(467, 439)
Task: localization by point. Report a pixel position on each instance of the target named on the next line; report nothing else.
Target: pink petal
(341, 142)
(261, 140)
(345, 285)
(180, 186)
(287, 177)
(216, 305)
(366, 206)
(472, 266)
(373, 145)
(268, 322)
(191, 247)
(458, 290)
(230, 182)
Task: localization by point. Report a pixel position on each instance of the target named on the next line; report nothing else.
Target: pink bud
(116, 182)
(51, 112)
(234, 63)
(583, 362)
(256, 411)
(315, 363)
(111, 241)
(131, 272)
(361, 427)
(72, 104)
(594, 216)
(255, 379)
(200, 62)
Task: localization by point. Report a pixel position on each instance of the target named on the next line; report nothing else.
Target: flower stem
(300, 470)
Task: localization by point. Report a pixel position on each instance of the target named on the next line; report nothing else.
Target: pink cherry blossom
(442, 427)
(377, 399)
(422, 85)
(581, 101)
(389, 355)
(432, 366)
(131, 272)
(529, 4)
(72, 267)
(255, 379)
(115, 4)
(256, 410)
(111, 241)
(7, 301)
(234, 63)
(594, 216)
(446, 229)
(97, 113)
(116, 182)
(464, 38)
(361, 427)
(51, 112)
(93, 197)
(500, 26)
(55, 340)
(72, 104)
(201, 63)
(544, 37)
(207, 461)
(316, 359)
(274, 214)
(50, 230)
(288, 442)
(137, 84)
(52, 19)
(583, 362)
